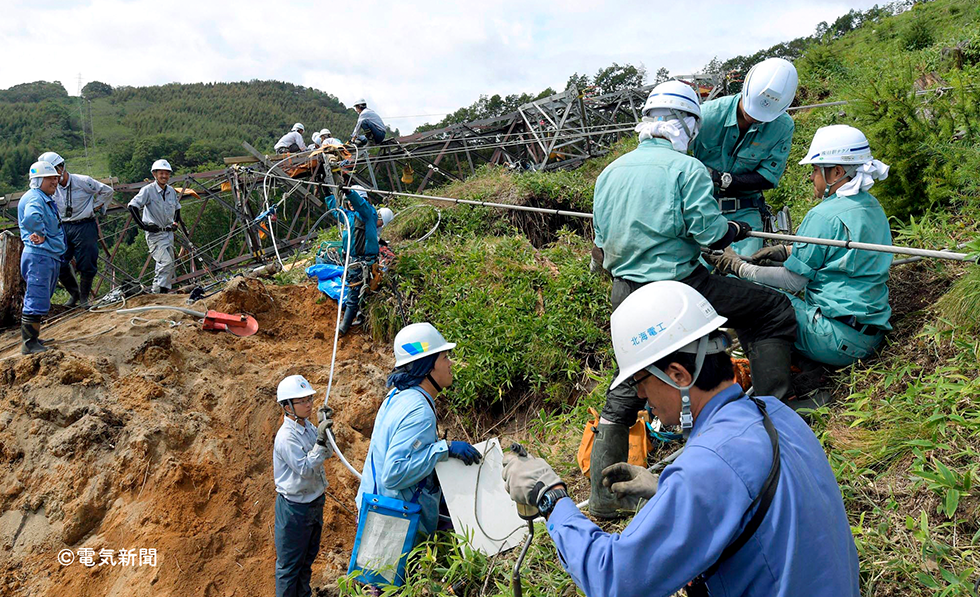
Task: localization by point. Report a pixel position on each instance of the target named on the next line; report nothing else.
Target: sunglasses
(632, 382)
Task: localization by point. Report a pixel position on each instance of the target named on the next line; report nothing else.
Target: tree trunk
(11, 284)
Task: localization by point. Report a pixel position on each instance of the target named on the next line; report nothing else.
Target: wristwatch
(546, 503)
(726, 179)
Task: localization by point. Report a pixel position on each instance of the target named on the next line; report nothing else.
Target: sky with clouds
(406, 58)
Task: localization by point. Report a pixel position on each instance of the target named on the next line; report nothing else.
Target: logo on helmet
(415, 348)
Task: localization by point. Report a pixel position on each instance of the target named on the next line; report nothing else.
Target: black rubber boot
(29, 331)
(769, 360)
(85, 289)
(67, 279)
(611, 446)
(347, 320)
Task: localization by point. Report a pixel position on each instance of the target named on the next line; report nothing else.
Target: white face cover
(666, 124)
(864, 178)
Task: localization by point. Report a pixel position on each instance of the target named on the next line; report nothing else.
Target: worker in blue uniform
(745, 140)
(362, 218)
(843, 313)
(653, 212)
(750, 507)
(405, 446)
(44, 245)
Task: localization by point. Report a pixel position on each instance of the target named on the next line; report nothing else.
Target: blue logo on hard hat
(415, 348)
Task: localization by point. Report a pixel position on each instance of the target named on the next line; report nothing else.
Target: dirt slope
(152, 436)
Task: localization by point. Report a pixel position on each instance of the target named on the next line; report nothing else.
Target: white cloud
(405, 58)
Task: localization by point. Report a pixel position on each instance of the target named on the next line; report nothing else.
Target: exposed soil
(152, 436)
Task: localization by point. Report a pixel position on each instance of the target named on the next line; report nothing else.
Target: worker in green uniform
(744, 142)
(653, 211)
(843, 313)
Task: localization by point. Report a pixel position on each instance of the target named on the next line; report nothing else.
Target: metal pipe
(165, 307)
(914, 259)
(847, 244)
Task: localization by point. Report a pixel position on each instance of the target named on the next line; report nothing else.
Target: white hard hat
(674, 95)
(299, 127)
(838, 144)
(656, 321)
(386, 215)
(51, 158)
(769, 89)
(316, 137)
(160, 165)
(42, 169)
(324, 133)
(361, 190)
(294, 386)
(417, 341)
(361, 102)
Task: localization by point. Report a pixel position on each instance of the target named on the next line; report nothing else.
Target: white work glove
(527, 478)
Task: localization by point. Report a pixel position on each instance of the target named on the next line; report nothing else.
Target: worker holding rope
(156, 210)
(44, 244)
(363, 219)
(844, 312)
(750, 507)
(653, 211)
(745, 140)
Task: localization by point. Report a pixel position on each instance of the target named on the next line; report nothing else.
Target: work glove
(152, 228)
(772, 253)
(527, 478)
(628, 480)
(465, 452)
(595, 264)
(741, 230)
(728, 262)
(715, 178)
(326, 422)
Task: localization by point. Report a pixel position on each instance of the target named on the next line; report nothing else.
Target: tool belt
(733, 204)
(863, 328)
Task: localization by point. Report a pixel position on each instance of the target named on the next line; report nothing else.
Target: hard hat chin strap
(687, 418)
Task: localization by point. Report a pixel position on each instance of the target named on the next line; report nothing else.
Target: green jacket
(653, 210)
(846, 282)
(763, 149)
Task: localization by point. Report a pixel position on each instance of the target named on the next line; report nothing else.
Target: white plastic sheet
(495, 512)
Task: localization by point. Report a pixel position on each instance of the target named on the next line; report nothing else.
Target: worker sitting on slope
(653, 211)
(297, 464)
(362, 218)
(369, 125)
(80, 199)
(844, 312)
(405, 445)
(44, 244)
(292, 142)
(744, 142)
(156, 210)
(749, 508)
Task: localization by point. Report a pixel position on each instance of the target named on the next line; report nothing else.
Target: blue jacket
(364, 220)
(804, 545)
(38, 212)
(405, 448)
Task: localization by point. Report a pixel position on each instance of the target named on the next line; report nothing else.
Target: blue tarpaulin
(328, 277)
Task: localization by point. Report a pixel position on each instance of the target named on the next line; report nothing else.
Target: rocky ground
(154, 436)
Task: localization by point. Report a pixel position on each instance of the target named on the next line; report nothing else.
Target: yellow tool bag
(639, 441)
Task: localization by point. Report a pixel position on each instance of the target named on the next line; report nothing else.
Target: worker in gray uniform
(79, 199)
(156, 210)
(369, 126)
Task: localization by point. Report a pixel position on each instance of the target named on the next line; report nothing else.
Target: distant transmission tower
(81, 117)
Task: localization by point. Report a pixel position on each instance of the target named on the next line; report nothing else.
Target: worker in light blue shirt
(405, 445)
(843, 312)
(750, 507)
(369, 126)
(362, 218)
(44, 245)
(653, 212)
(745, 140)
(297, 465)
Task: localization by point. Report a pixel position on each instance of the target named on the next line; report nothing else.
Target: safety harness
(698, 587)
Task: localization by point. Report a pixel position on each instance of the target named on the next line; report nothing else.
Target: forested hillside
(126, 128)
